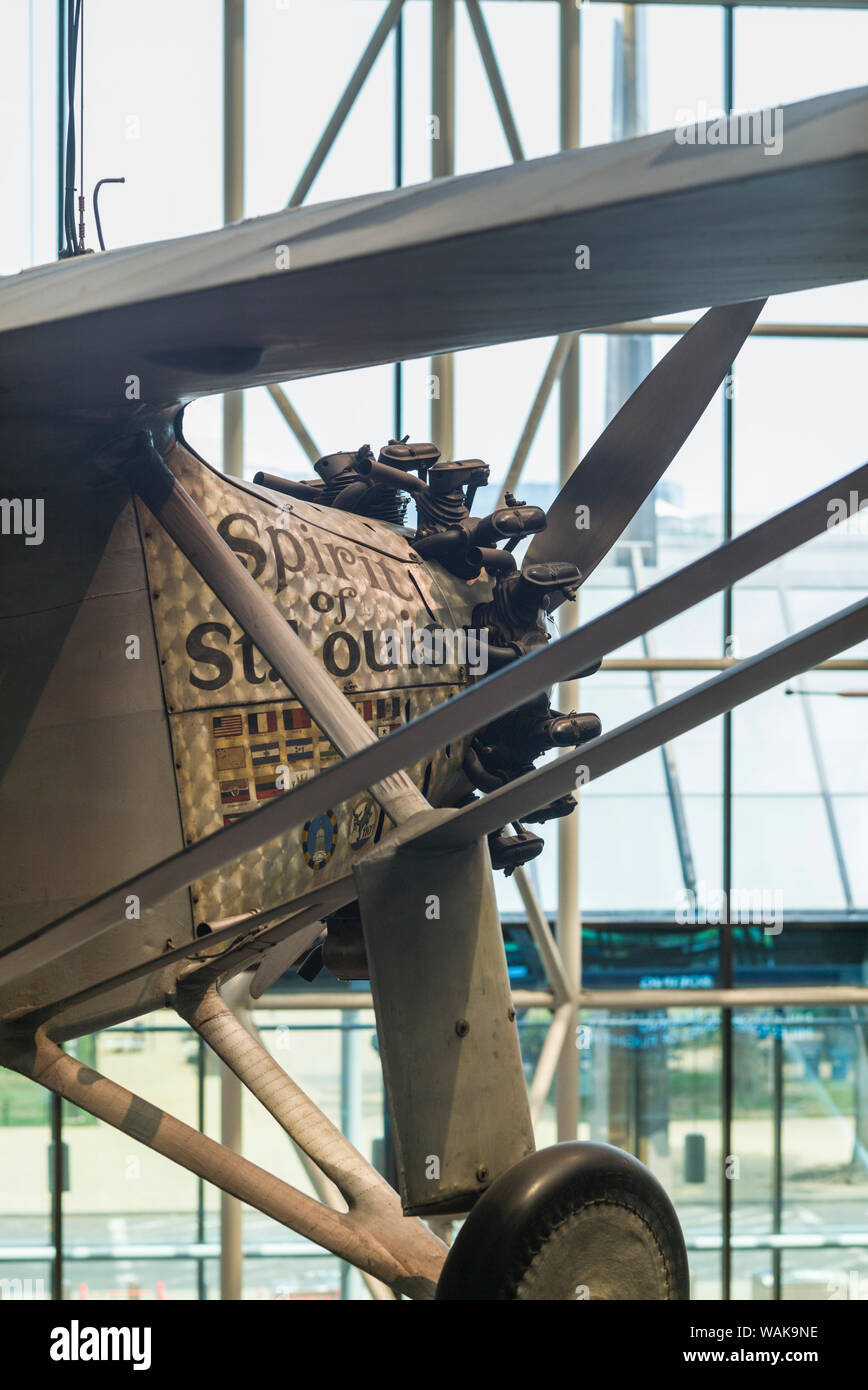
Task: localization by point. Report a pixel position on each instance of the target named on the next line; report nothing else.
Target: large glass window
(769, 1176)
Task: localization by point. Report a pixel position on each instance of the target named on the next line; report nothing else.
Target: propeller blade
(487, 700)
(631, 455)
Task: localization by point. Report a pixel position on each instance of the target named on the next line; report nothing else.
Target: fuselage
(158, 723)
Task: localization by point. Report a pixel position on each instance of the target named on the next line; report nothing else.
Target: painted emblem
(318, 839)
(363, 821)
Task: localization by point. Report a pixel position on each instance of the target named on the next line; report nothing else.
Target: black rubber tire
(575, 1221)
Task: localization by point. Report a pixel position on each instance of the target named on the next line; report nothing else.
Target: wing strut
(570, 772)
(488, 700)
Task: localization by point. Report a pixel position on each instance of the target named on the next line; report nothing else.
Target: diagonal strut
(475, 707)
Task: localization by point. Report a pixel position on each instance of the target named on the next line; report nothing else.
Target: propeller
(631, 455)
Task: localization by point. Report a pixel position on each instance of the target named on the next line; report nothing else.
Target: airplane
(215, 763)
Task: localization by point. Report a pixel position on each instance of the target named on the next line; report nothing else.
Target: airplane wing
(457, 263)
(661, 226)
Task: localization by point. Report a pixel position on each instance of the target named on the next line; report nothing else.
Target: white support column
(569, 925)
(233, 199)
(231, 1247)
(442, 164)
(231, 1214)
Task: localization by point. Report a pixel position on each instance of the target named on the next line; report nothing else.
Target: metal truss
(561, 955)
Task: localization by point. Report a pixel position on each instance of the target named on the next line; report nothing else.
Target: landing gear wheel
(576, 1221)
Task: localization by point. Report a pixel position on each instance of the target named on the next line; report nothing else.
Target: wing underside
(458, 263)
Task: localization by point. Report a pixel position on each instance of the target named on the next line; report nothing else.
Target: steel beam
(389, 20)
(495, 80)
(782, 997)
(233, 199)
(295, 422)
(569, 927)
(231, 1212)
(820, 769)
(561, 353)
(715, 663)
(362, 999)
(670, 328)
(560, 1035)
(373, 1235)
(344, 106)
(670, 766)
(442, 165)
(642, 1000)
(753, 4)
(542, 937)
